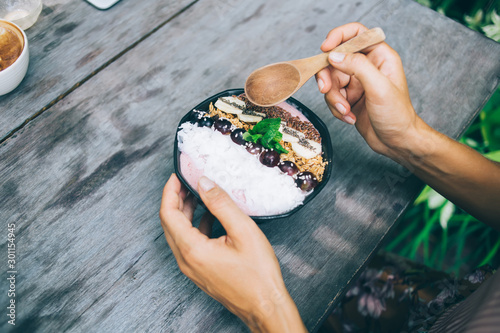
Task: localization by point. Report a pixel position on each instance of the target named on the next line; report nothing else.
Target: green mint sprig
(266, 132)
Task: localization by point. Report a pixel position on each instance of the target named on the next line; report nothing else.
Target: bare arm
(458, 172)
(370, 91)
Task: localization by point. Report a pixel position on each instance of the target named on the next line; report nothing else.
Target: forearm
(459, 173)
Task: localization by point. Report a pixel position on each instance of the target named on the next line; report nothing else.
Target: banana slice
(231, 105)
(306, 148)
(291, 135)
(249, 118)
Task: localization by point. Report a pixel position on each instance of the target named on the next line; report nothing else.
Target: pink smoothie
(293, 111)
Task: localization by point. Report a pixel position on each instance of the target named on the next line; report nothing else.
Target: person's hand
(369, 90)
(240, 269)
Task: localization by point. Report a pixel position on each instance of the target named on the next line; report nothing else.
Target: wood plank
(83, 181)
(71, 40)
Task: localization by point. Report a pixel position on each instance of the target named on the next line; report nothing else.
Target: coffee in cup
(14, 56)
(11, 44)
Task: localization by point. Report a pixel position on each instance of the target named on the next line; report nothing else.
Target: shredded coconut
(257, 189)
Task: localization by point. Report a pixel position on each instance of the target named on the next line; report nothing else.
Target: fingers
(218, 202)
(354, 91)
(178, 228)
(338, 90)
(359, 66)
(336, 102)
(172, 194)
(324, 80)
(388, 61)
(342, 34)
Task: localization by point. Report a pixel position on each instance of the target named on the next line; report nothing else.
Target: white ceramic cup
(12, 76)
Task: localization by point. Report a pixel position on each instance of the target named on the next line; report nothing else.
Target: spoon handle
(362, 41)
(312, 65)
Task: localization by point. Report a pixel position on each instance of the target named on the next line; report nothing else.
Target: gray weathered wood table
(87, 144)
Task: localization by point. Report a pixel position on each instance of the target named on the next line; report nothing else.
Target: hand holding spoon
(272, 84)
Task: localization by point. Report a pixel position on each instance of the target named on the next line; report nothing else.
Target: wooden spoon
(272, 84)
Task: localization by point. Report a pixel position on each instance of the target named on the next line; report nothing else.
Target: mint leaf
(266, 132)
(276, 146)
(278, 136)
(268, 138)
(265, 125)
(247, 136)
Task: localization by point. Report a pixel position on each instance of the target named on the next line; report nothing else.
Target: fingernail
(321, 85)
(336, 57)
(205, 184)
(340, 108)
(350, 120)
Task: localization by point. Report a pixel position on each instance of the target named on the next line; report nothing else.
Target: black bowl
(313, 118)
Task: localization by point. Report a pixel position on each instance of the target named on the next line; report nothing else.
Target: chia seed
(307, 128)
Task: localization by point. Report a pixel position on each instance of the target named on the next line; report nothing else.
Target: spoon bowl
(274, 83)
(281, 81)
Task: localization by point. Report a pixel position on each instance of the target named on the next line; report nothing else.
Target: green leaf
(490, 122)
(265, 125)
(251, 137)
(278, 136)
(491, 254)
(474, 22)
(402, 236)
(493, 103)
(424, 195)
(495, 18)
(279, 148)
(426, 3)
(268, 137)
(267, 133)
(424, 233)
(494, 155)
(444, 244)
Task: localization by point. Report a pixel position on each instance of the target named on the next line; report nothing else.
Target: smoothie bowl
(272, 161)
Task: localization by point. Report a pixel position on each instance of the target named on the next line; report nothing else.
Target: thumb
(359, 66)
(223, 207)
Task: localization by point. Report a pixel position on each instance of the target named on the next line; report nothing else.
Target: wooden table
(87, 142)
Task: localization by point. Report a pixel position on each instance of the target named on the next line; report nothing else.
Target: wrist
(420, 142)
(276, 313)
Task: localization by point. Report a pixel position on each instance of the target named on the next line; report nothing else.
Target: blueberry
(205, 122)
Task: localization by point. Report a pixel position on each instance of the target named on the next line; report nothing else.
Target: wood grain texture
(83, 181)
(71, 40)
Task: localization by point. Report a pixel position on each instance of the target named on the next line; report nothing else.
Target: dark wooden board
(71, 40)
(83, 181)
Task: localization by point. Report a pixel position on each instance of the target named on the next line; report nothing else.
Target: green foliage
(479, 15)
(435, 231)
(490, 123)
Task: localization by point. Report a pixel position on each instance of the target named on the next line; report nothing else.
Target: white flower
(446, 214)
(435, 200)
(493, 30)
